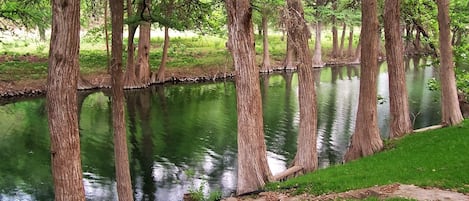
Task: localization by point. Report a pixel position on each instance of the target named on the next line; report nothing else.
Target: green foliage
(24, 13)
(433, 84)
(94, 35)
(462, 81)
(433, 158)
(197, 194)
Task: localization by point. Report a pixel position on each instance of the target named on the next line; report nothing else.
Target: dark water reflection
(182, 137)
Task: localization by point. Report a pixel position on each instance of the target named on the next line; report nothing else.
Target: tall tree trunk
(62, 83)
(143, 63)
(130, 78)
(335, 37)
(288, 63)
(143, 55)
(306, 155)
(317, 56)
(380, 50)
(106, 33)
(266, 67)
(342, 40)
(408, 35)
(42, 33)
(160, 75)
(358, 50)
(399, 105)
(417, 43)
(450, 112)
(253, 170)
(350, 43)
(366, 139)
(124, 186)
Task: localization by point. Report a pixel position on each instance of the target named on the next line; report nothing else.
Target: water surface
(183, 137)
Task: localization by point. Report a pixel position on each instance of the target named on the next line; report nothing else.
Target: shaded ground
(380, 192)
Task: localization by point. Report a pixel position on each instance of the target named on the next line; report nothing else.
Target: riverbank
(14, 89)
(434, 162)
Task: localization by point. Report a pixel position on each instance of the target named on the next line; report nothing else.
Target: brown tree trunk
(306, 155)
(288, 63)
(124, 186)
(130, 78)
(253, 170)
(143, 63)
(366, 139)
(417, 42)
(143, 55)
(450, 112)
(342, 41)
(380, 50)
(335, 37)
(160, 75)
(358, 50)
(62, 83)
(106, 33)
(266, 67)
(399, 105)
(350, 43)
(317, 56)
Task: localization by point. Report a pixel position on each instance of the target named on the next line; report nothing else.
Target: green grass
(437, 158)
(184, 53)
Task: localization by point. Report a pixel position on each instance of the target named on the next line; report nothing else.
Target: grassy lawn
(437, 158)
(185, 53)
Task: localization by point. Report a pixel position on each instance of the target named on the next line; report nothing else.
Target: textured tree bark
(306, 155)
(450, 111)
(350, 43)
(62, 83)
(342, 40)
(253, 170)
(317, 56)
(335, 35)
(130, 78)
(288, 63)
(106, 34)
(399, 105)
(161, 71)
(143, 55)
(358, 50)
(143, 65)
(366, 139)
(266, 67)
(124, 185)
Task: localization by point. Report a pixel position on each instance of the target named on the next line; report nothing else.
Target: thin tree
(450, 112)
(306, 155)
(253, 170)
(366, 139)
(342, 39)
(62, 84)
(335, 35)
(124, 186)
(399, 105)
(317, 56)
(160, 78)
(130, 78)
(265, 66)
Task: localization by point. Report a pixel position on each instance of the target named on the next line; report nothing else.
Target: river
(183, 137)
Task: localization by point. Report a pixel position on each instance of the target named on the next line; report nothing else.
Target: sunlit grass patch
(435, 158)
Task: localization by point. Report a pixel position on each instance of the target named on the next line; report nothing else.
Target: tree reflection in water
(182, 137)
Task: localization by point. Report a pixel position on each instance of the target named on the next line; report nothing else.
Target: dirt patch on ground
(25, 58)
(381, 192)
